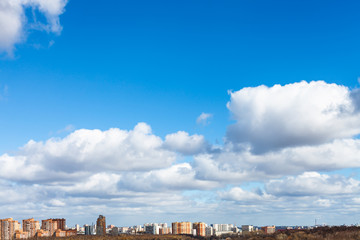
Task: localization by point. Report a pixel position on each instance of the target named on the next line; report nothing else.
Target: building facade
(8, 227)
(181, 228)
(49, 225)
(268, 229)
(200, 228)
(101, 226)
(31, 226)
(61, 223)
(247, 228)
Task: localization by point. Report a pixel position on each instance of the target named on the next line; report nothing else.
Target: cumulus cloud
(13, 20)
(203, 118)
(298, 114)
(234, 167)
(308, 194)
(313, 184)
(239, 195)
(184, 143)
(177, 177)
(136, 173)
(88, 151)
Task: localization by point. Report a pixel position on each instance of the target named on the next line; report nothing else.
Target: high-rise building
(89, 230)
(200, 228)
(8, 226)
(151, 228)
(61, 223)
(49, 225)
(101, 225)
(31, 226)
(181, 228)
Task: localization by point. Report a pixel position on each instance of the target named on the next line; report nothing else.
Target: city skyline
(242, 112)
(30, 228)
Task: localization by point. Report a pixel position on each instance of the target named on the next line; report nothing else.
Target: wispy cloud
(204, 118)
(3, 92)
(67, 129)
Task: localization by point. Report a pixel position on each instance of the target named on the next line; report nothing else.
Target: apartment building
(181, 228)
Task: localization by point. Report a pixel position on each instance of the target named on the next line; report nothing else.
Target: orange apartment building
(181, 227)
(48, 225)
(19, 234)
(31, 226)
(61, 223)
(200, 228)
(8, 227)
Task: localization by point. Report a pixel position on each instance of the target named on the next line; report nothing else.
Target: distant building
(49, 225)
(247, 228)
(123, 229)
(60, 233)
(89, 230)
(71, 232)
(209, 231)
(220, 229)
(151, 228)
(8, 227)
(268, 229)
(101, 226)
(61, 223)
(19, 234)
(31, 226)
(42, 233)
(200, 228)
(181, 228)
(114, 231)
(165, 230)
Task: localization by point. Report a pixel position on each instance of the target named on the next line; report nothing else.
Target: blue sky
(72, 65)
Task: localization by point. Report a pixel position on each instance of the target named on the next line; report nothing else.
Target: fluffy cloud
(298, 114)
(136, 173)
(313, 184)
(184, 143)
(234, 167)
(239, 195)
(13, 20)
(86, 151)
(310, 194)
(177, 177)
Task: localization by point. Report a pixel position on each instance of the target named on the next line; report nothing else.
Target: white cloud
(135, 173)
(13, 20)
(86, 151)
(57, 203)
(313, 184)
(234, 167)
(184, 143)
(177, 177)
(239, 195)
(298, 114)
(203, 118)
